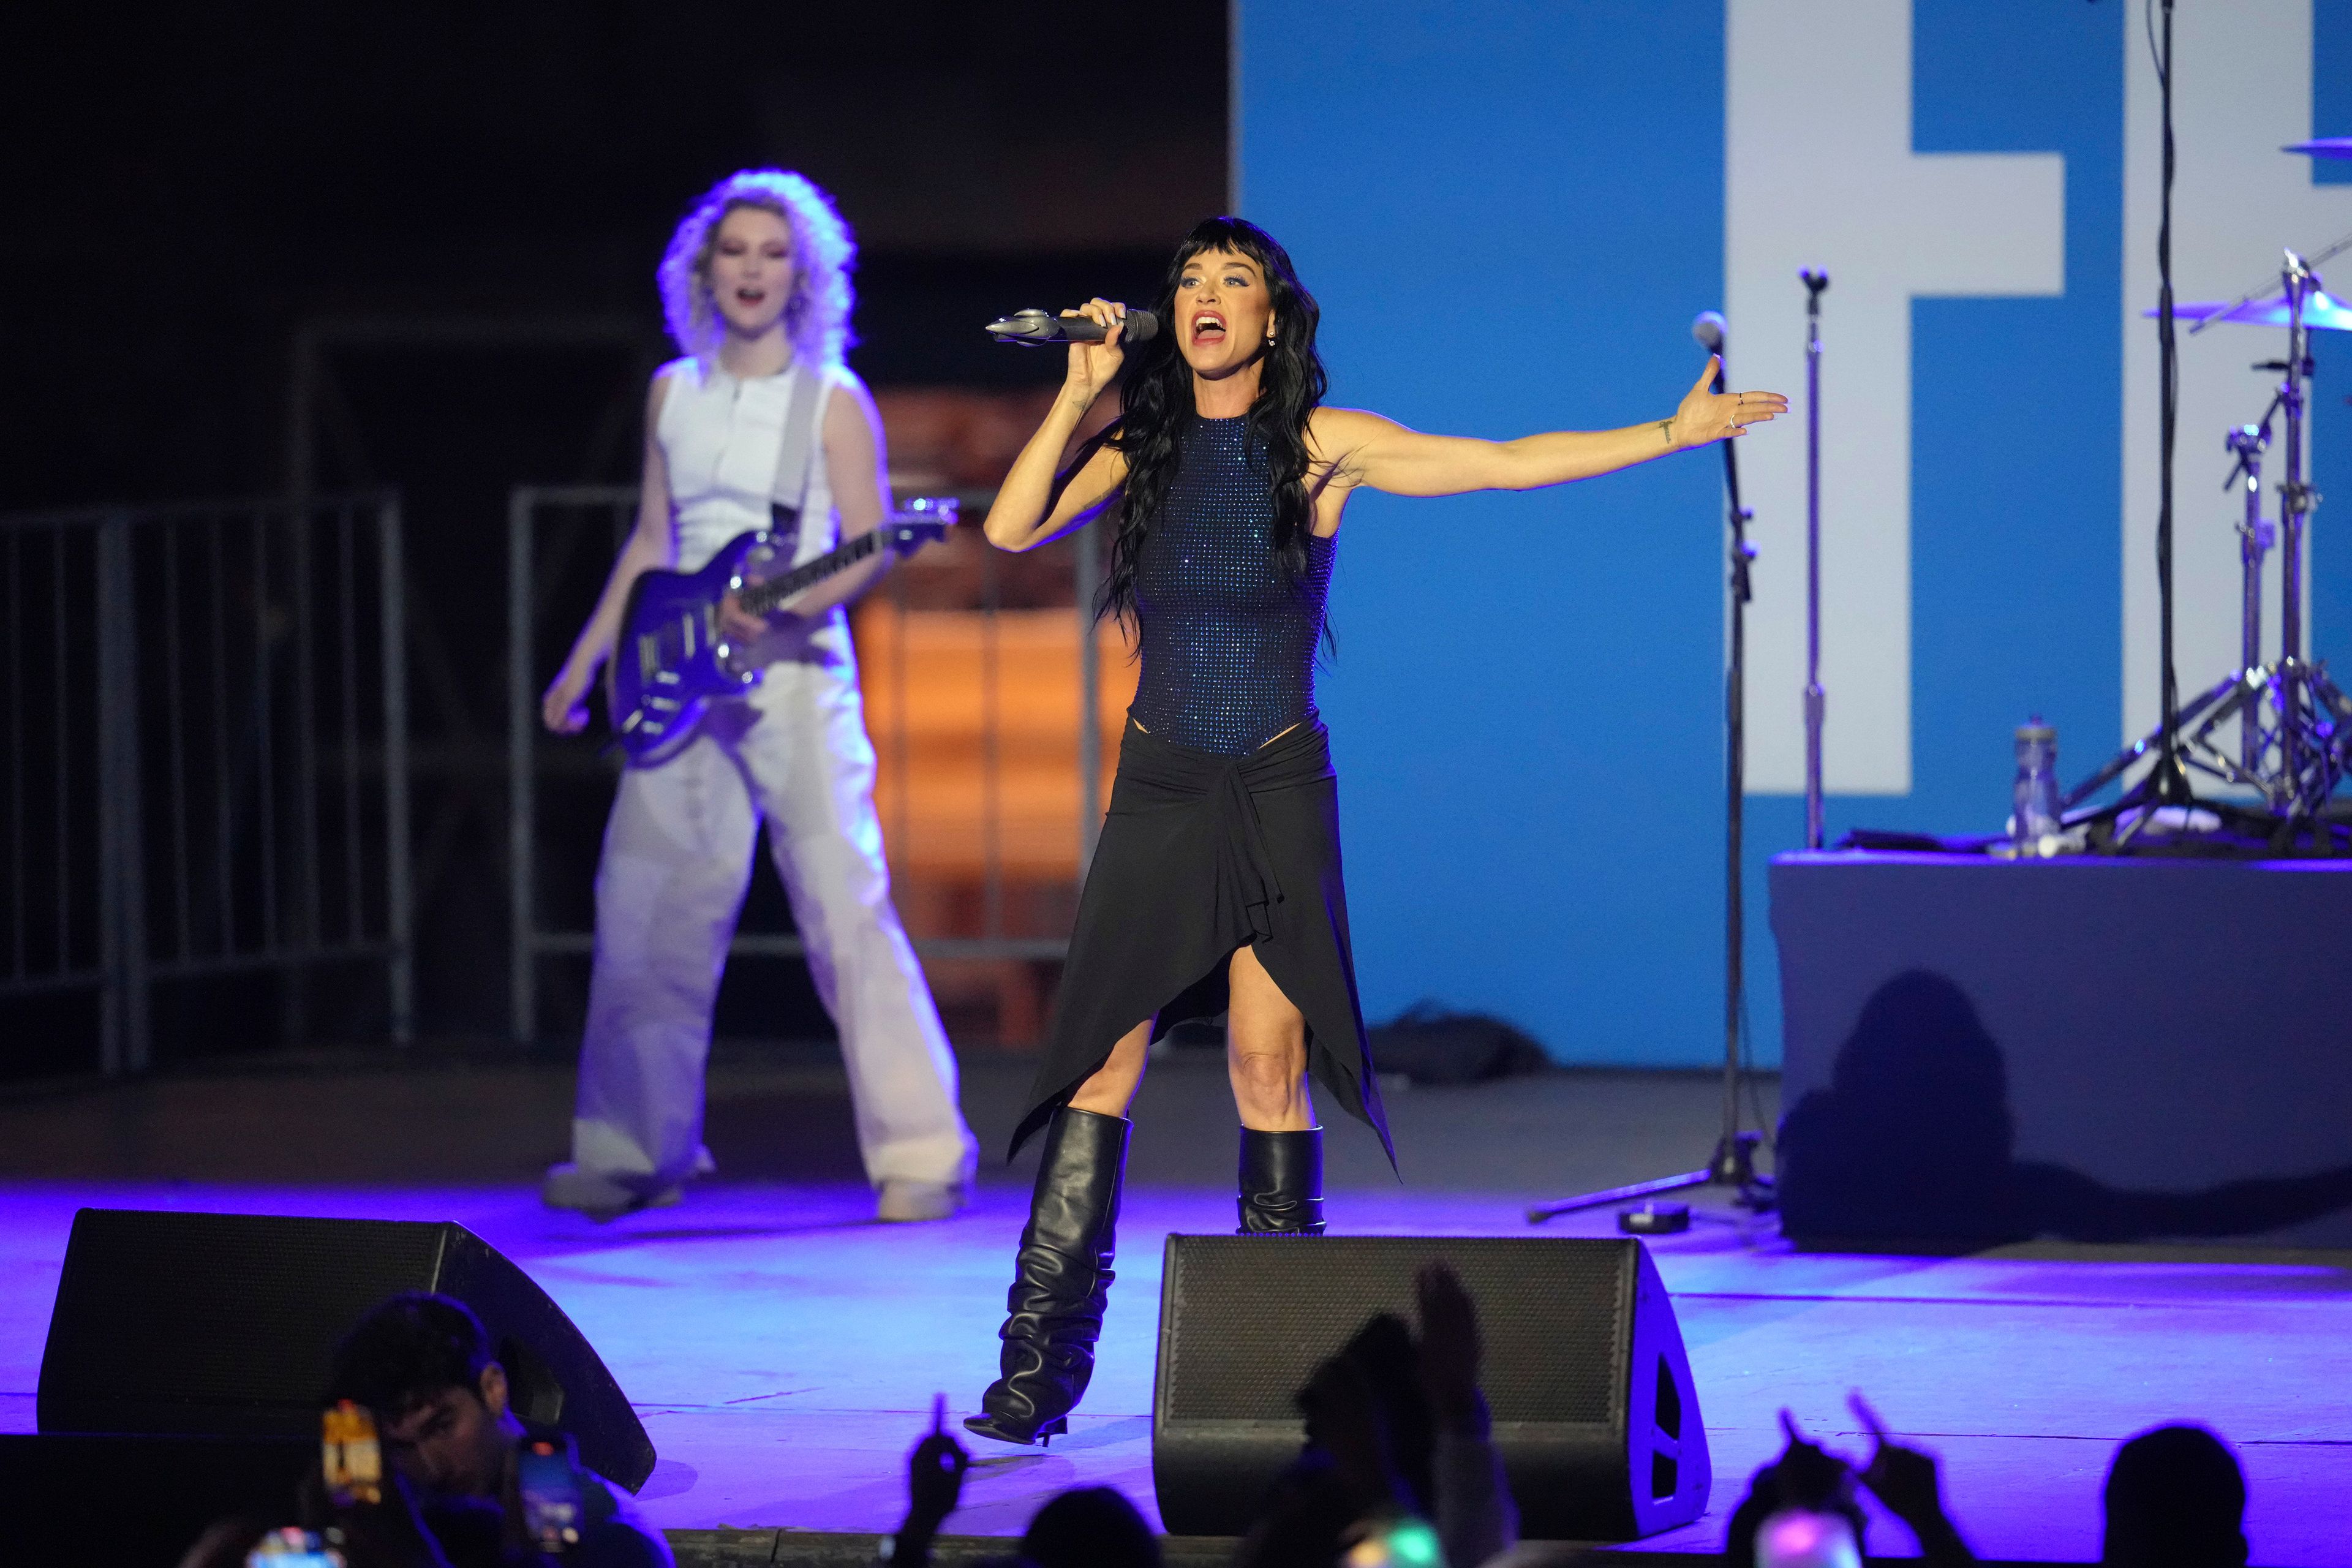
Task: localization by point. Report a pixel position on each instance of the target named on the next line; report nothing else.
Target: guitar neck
(764, 598)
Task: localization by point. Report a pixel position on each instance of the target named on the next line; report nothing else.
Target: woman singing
(1215, 886)
(759, 425)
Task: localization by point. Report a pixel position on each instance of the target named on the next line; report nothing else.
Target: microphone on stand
(1032, 328)
(1707, 328)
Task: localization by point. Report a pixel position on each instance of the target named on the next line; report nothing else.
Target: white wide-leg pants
(677, 863)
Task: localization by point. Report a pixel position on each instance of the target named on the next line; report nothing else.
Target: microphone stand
(1814, 702)
(1733, 1162)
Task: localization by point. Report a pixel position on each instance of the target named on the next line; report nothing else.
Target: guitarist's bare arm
(856, 461)
(651, 544)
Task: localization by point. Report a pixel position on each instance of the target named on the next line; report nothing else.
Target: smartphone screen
(291, 1547)
(1401, 1543)
(551, 1495)
(350, 1455)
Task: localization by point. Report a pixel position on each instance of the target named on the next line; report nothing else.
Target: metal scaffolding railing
(206, 714)
(991, 778)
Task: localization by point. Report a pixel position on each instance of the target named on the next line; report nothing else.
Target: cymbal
(2326, 147)
(2321, 312)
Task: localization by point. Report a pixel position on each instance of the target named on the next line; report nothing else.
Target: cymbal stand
(2255, 538)
(2294, 735)
(2296, 500)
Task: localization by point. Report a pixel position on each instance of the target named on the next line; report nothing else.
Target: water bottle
(2034, 800)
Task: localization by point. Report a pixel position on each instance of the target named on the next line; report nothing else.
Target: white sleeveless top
(721, 436)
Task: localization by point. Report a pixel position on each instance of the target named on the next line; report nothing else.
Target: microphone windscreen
(1707, 328)
(1142, 326)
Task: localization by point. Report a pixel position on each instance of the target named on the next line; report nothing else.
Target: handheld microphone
(1034, 328)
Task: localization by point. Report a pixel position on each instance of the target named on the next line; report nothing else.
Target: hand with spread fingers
(1706, 416)
(1909, 1482)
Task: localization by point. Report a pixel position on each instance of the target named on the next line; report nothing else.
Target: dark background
(190, 187)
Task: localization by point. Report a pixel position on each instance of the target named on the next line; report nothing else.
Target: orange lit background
(975, 715)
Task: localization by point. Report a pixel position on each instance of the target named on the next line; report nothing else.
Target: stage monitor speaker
(1595, 1417)
(225, 1325)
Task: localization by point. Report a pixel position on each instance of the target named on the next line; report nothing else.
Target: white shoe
(902, 1202)
(600, 1197)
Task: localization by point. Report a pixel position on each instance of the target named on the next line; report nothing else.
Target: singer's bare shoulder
(1337, 439)
(1354, 449)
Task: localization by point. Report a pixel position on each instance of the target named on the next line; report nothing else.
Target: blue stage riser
(2144, 1050)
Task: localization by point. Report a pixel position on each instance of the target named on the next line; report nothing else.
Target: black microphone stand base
(1733, 1167)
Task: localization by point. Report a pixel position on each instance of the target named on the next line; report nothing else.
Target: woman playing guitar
(755, 287)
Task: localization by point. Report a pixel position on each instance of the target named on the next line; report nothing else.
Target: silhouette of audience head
(1799, 1537)
(1090, 1527)
(2175, 1498)
(423, 1364)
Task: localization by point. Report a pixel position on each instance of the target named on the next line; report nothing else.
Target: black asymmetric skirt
(1200, 855)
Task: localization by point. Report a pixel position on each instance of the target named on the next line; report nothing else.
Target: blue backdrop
(1510, 212)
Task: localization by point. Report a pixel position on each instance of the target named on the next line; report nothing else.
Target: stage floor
(785, 1350)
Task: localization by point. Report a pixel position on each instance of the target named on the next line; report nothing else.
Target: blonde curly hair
(816, 317)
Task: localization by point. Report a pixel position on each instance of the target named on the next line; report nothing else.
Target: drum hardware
(2294, 724)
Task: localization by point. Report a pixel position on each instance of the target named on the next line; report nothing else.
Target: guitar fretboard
(764, 597)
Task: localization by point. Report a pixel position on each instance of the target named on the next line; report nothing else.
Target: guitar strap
(794, 454)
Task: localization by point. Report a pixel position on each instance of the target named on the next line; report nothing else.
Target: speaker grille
(220, 1310)
(1548, 1313)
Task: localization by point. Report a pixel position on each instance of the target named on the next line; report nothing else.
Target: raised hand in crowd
(1800, 1511)
(935, 1471)
(1907, 1480)
(1347, 1422)
(1471, 1500)
(1451, 1350)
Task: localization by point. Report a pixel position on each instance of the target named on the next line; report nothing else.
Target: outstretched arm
(1382, 454)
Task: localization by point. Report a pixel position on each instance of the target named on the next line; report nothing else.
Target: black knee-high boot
(1282, 1183)
(1061, 1279)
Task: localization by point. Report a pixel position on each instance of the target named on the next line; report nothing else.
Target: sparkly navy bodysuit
(1227, 635)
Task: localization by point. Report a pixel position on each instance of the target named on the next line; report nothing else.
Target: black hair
(412, 1347)
(1090, 1527)
(2175, 1498)
(1156, 399)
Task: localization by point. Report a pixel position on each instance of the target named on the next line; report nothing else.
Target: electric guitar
(674, 657)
